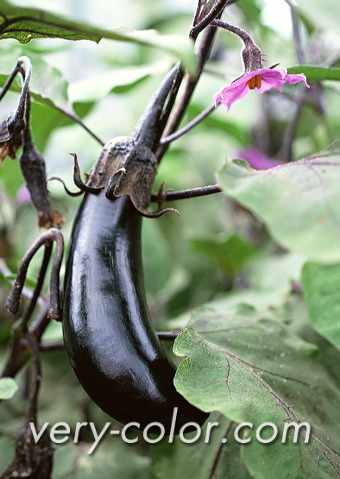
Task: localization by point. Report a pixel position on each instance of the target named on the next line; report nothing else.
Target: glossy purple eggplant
(109, 338)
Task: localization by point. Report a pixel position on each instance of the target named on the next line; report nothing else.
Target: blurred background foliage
(216, 247)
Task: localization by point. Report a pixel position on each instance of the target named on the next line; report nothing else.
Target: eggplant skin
(109, 339)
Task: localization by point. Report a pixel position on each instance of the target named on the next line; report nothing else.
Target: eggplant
(108, 334)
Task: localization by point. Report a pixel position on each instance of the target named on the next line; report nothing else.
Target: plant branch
(191, 193)
(76, 119)
(189, 126)
(296, 34)
(12, 302)
(36, 380)
(189, 87)
(167, 336)
(51, 346)
(215, 11)
(251, 53)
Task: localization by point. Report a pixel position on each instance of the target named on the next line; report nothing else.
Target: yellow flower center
(254, 82)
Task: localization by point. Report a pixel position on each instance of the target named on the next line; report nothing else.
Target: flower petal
(228, 95)
(293, 79)
(270, 78)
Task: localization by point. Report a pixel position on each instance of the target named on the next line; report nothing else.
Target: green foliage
(26, 24)
(316, 74)
(321, 285)
(253, 369)
(308, 187)
(262, 257)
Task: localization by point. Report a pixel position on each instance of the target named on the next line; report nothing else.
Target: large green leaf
(321, 286)
(116, 81)
(314, 73)
(47, 85)
(253, 369)
(299, 202)
(25, 24)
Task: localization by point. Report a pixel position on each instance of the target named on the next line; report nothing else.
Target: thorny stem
(189, 126)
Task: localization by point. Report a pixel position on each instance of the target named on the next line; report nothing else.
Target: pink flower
(263, 80)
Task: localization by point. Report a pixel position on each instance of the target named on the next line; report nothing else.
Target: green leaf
(229, 254)
(213, 454)
(47, 84)
(113, 458)
(299, 202)
(313, 73)
(255, 370)
(8, 387)
(197, 459)
(116, 81)
(25, 24)
(321, 286)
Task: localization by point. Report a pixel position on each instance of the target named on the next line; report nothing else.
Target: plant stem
(76, 119)
(189, 126)
(251, 53)
(191, 193)
(215, 11)
(189, 87)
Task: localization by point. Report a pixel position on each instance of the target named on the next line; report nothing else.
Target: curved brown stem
(13, 301)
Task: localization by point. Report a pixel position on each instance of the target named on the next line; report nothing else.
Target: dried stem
(13, 300)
